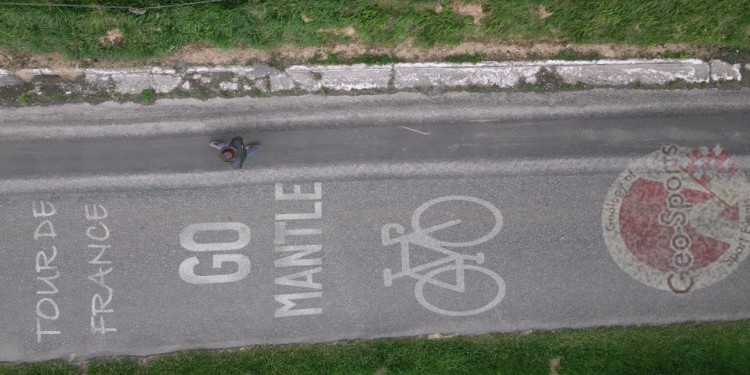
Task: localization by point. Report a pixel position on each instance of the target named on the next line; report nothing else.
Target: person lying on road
(235, 151)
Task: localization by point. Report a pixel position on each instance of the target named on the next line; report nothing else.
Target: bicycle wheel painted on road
(430, 278)
(432, 205)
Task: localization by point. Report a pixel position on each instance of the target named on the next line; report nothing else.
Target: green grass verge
(718, 348)
(268, 24)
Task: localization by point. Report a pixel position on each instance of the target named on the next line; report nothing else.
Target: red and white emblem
(679, 219)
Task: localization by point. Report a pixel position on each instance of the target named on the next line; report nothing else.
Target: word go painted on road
(298, 235)
(678, 219)
(452, 262)
(187, 241)
(47, 310)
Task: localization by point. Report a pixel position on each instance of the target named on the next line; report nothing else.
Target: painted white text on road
(47, 310)
(294, 235)
(98, 235)
(187, 240)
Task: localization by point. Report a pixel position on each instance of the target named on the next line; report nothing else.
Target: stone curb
(398, 76)
(340, 77)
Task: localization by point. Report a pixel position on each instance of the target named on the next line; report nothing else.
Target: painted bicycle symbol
(452, 262)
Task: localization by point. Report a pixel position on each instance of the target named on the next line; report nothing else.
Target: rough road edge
(28, 86)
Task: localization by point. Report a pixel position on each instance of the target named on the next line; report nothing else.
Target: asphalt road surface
(372, 216)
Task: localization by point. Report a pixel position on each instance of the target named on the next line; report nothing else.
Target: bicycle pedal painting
(450, 280)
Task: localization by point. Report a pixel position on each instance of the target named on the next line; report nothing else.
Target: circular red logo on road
(679, 219)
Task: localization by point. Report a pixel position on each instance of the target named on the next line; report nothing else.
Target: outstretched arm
(218, 144)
